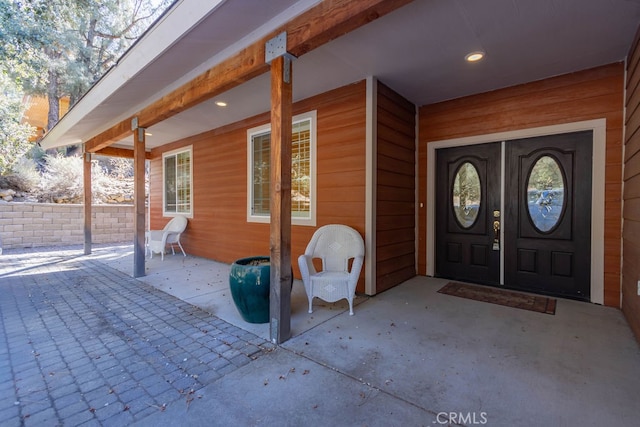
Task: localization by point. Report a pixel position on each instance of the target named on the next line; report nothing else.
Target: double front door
(517, 214)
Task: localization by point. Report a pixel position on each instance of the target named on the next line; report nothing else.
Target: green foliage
(58, 48)
(24, 28)
(61, 47)
(14, 135)
(37, 154)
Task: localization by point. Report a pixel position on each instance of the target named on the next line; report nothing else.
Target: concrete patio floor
(205, 284)
(409, 356)
(444, 354)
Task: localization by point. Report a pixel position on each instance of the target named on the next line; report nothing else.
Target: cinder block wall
(26, 225)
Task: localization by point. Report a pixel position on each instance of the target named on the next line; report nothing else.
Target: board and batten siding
(219, 229)
(631, 213)
(395, 189)
(591, 94)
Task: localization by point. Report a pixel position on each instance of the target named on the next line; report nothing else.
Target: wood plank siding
(395, 189)
(591, 94)
(219, 229)
(631, 214)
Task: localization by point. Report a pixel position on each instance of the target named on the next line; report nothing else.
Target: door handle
(496, 235)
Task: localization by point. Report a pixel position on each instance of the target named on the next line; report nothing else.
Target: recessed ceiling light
(221, 103)
(474, 56)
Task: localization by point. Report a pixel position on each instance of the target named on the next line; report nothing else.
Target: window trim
(171, 153)
(310, 116)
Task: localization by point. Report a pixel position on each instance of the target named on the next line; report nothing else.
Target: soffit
(418, 50)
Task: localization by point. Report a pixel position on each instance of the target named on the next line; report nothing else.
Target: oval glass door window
(545, 193)
(466, 194)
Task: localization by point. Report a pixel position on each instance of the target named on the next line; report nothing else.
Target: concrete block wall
(26, 225)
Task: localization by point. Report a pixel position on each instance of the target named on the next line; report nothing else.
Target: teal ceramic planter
(249, 281)
(250, 284)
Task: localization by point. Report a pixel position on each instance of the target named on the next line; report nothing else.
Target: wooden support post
(87, 202)
(139, 202)
(280, 207)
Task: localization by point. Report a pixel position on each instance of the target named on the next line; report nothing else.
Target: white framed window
(177, 182)
(303, 171)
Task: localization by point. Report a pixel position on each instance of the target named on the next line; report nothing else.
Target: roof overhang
(190, 38)
(418, 50)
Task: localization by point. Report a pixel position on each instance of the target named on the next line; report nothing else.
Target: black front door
(545, 243)
(548, 222)
(468, 194)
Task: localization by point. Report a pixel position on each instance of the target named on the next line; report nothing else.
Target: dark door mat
(535, 303)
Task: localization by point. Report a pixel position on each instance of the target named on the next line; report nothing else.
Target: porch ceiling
(418, 50)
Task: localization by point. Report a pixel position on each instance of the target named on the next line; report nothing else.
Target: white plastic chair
(335, 245)
(157, 240)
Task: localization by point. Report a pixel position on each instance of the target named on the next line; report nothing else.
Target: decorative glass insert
(466, 194)
(545, 193)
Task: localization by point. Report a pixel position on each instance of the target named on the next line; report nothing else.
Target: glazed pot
(249, 281)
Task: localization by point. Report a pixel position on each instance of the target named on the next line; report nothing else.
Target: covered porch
(379, 94)
(420, 356)
(87, 343)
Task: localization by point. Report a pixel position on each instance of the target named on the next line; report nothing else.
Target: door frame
(598, 126)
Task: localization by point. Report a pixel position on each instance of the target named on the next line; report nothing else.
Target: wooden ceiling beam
(331, 19)
(126, 153)
(109, 137)
(322, 23)
(232, 72)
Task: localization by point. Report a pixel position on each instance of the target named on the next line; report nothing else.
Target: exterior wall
(219, 229)
(26, 225)
(590, 94)
(395, 189)
(631, 230)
